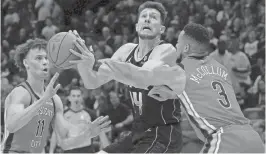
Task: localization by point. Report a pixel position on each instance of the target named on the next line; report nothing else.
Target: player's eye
(39, 58)
(153, 17)
(144, 16)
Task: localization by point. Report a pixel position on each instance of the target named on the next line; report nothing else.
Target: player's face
(149, 24)
(181, 45)
(37, 63)
(75, 97)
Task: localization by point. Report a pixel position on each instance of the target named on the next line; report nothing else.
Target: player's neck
(147, 45)
(36, 84)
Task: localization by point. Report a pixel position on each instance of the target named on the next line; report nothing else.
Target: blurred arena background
(234, 25)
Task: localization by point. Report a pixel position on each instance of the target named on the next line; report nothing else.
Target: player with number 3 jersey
(209, 100)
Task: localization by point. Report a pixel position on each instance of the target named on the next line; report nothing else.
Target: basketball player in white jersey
(209, 100)
(31, 108)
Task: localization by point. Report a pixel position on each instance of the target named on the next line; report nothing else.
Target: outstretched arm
(92, 79)
(63, 128)
(18, 109)
(158, 70)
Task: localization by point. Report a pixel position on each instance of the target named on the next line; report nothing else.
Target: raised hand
(86, 55)
(50, 91)
(101, 124)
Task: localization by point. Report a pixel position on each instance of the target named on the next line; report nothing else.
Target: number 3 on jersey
(217, 86)
(136, 98)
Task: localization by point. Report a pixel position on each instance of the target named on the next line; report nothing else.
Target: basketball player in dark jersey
(209, 99)
(31, 108)
(156, 125)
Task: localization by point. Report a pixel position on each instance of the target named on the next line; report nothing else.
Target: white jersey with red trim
(209, 99)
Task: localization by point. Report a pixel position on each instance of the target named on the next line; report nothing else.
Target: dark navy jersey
(149, 112)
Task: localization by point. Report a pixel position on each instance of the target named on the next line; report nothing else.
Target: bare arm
(53, 143)
(156, 71)
(18, 110)
(63, 128)
(159, 70)
(128, 120)
(92, 79)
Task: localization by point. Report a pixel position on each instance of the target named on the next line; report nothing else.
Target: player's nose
(45, 61)
(147, 19)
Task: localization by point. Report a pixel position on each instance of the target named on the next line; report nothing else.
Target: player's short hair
(197, 32)
(154, 5)
(23, 50)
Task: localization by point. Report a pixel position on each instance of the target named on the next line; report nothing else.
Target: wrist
(96, 65)
(43, 99)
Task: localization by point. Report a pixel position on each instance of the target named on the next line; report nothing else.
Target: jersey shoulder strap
(28, 88)
(149, 53)
(66, 110)
(131, 53)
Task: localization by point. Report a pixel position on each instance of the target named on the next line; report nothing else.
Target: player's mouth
(45, 70)
(146, 28)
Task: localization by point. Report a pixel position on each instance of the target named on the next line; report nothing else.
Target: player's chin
(148, 36)
(44, 74)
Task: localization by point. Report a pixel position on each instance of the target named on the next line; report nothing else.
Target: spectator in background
(170, 36)
(50, 29)
(120, 114)
(258, 68)
(105, 49)
(251, 47)
(23, 36)
(257, 91)
(76, 114)
(12, 17)
(240, 70)
(213, 39)
(118, 42)
(224, 14)
(44, 8)
(221, 54)
(107, 37)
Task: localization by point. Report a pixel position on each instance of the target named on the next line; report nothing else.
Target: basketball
(58, 50)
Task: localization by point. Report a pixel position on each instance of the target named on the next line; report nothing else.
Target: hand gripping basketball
(86, 55)
(50, 91)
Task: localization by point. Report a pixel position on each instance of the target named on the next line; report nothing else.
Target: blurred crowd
(237, 31)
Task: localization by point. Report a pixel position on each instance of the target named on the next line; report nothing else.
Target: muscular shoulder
(19, 95)
(122, 53)
(166, 53)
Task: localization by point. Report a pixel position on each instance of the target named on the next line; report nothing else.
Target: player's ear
(186, 48)
(162, 29)
(25, 63)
